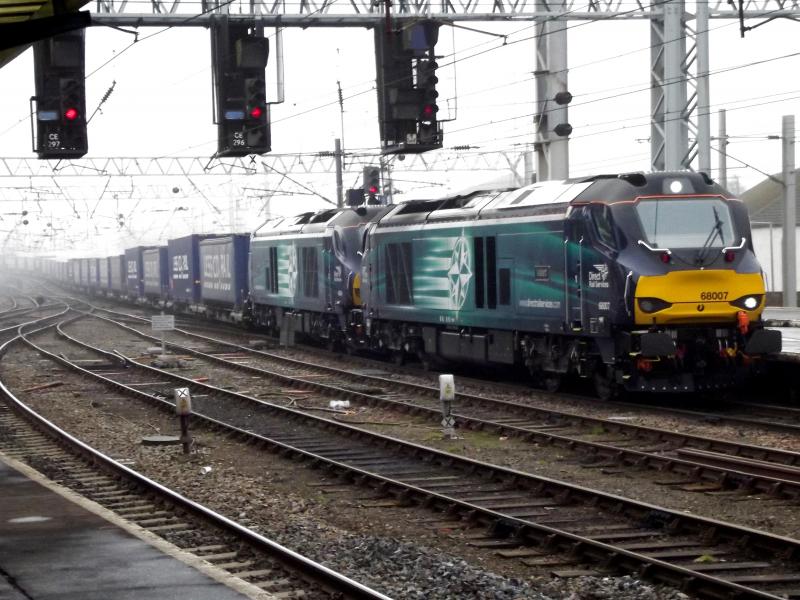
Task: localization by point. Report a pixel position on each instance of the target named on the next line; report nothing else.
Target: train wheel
(425, 361)
(604, 386)
(551, 381)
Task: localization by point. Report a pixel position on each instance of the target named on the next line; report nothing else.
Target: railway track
(191, 527)
(604, 442)
(785, 419)
(602, 531)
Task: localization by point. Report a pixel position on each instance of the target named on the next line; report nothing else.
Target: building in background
(765, 205)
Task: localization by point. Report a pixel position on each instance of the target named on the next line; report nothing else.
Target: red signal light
(71, 114)
(256, 112)
(373, 189)
(428, 110)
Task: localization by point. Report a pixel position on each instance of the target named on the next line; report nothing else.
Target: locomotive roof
(551, 198)
(627, 186)
(316, 222)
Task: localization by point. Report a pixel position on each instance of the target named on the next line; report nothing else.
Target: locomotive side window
(399, 283)
(686, 222)
(272, 271)
(601, 217)
(491, 272)
(480, 292)
(485, 257)
(308, 260)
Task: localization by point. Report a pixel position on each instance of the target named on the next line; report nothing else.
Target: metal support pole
(186, 440)
(530, 175)
(722, 142)
(339, 187)
(386, 179)
(669, 136)
(789, 215)
(771, 261)
(703, 89)
(551, 77)
(674, 86)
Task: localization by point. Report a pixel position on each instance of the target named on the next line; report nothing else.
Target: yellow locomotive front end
(699, 296)
(695, 292)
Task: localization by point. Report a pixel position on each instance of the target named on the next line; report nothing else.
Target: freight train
(640, 282)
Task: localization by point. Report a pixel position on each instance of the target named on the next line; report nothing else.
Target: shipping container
(75, 271)
(134, 271)
(117, 272)
(94, 273)
(102, 273)
(83, 279)
(156, 273)
(183, 256)
(223, 276)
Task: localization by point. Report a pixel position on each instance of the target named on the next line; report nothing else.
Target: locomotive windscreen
(686, 222)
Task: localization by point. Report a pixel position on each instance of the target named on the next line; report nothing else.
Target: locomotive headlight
(748, 302)
(651, 305)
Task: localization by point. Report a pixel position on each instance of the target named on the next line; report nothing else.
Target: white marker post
(183, 408)
(447, 393)
(163, 323)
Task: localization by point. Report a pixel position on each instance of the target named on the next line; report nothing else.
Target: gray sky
(161, 106)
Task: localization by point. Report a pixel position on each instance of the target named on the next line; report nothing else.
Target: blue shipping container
(223, 278)
(75, 271)
(117, 272)
(84, 277)
(156, 275)
(103, 273)
(94, 273)
(184, 268)
(134, 271)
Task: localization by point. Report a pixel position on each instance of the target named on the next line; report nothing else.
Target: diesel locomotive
(640, 282)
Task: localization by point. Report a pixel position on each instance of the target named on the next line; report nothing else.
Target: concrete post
(723, 150)
(789, 215)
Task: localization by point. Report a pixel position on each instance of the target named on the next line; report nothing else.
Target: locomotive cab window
(686, 222)
(603, 225)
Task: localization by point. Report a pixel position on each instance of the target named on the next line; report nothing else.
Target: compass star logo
(292, 269)
(459, 273)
